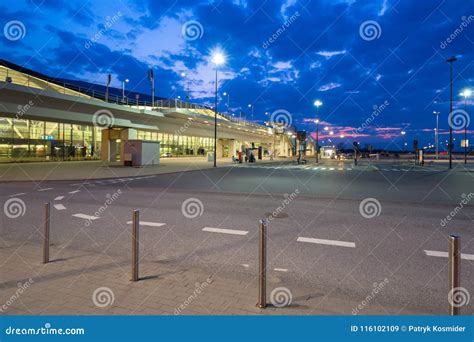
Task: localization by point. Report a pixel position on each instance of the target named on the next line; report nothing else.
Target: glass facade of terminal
(43, 140)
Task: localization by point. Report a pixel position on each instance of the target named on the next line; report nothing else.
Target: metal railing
(16, 77)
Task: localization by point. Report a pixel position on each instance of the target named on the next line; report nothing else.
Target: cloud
(329, 86)
(329, 54)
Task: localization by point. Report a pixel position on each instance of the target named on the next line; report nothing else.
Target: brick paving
(67, 284)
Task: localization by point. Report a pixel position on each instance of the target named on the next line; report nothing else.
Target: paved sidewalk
(78, 170)
(84, 283)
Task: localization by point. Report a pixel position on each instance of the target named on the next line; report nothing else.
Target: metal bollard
(262, 282)
(47, 219)
(454, 272)
(135, 245)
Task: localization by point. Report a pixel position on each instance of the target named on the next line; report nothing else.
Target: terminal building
(44, 118)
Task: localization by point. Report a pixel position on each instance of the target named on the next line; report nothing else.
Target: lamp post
(228, 101)
(466, 93)
(251, 106)
(437, 132)
(317, 103)
(218, 59)
(451, 60)
(123, 88)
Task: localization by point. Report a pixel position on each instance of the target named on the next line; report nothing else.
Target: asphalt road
(318, 236)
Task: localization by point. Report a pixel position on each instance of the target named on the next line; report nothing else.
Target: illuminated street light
(451, 60)
(436, 132)
(326, 128)
(317, 103)
(218, 59)
(466, 93)
(123, 88)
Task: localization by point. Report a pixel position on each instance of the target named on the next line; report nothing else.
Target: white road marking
(385, 170)
(315, 168)
(340, 169)
(45, 189)
(59, 206)
(225, 231)
(323, 168)
(59, 198)
(281, 269)
(84, 216)
(19, 194)
(394, 169)
(327, 242)
(331, 168)
(404, 169)
(245, 265)
(74, 192)
(150, 224)
(349, 169)
(445, 254)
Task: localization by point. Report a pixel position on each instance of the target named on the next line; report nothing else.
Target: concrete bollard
(262, 282)
(135, 244)
(454, 273)
(47, 219)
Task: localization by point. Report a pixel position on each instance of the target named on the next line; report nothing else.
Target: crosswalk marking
(45, 189)
(59, 206)
(74, 192)
(59, 198)
(18, 194)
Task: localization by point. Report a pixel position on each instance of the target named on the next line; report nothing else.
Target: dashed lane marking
(150, 224)
(327, 242)
(59, 198)
(225, 231)
(86, 217)
(59, 206)
(440, 254)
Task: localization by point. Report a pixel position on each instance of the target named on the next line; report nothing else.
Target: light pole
(218, 59)
(317, 103)
(451, 60)
(251, 106)
(228, 101)
(437, 132)
(466, 93)
(123, 89)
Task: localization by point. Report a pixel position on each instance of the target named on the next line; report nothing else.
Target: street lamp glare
(317, 121)
(317, 103)
(466, 93)
(326, 128)
(218, 58)
(127, 80)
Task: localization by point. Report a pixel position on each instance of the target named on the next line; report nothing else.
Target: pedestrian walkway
(85, 283)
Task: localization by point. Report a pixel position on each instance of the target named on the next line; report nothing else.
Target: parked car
(167, 155)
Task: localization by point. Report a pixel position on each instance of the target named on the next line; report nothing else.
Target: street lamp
(251, 106)
(437, 132)
(466, 93)
(451, 60)
(317, 103)
(218, 59)
(123, 88)
(228, 101)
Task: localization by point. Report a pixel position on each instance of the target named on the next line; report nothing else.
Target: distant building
(43, 118)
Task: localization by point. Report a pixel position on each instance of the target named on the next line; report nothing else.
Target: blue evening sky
(280, 55)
